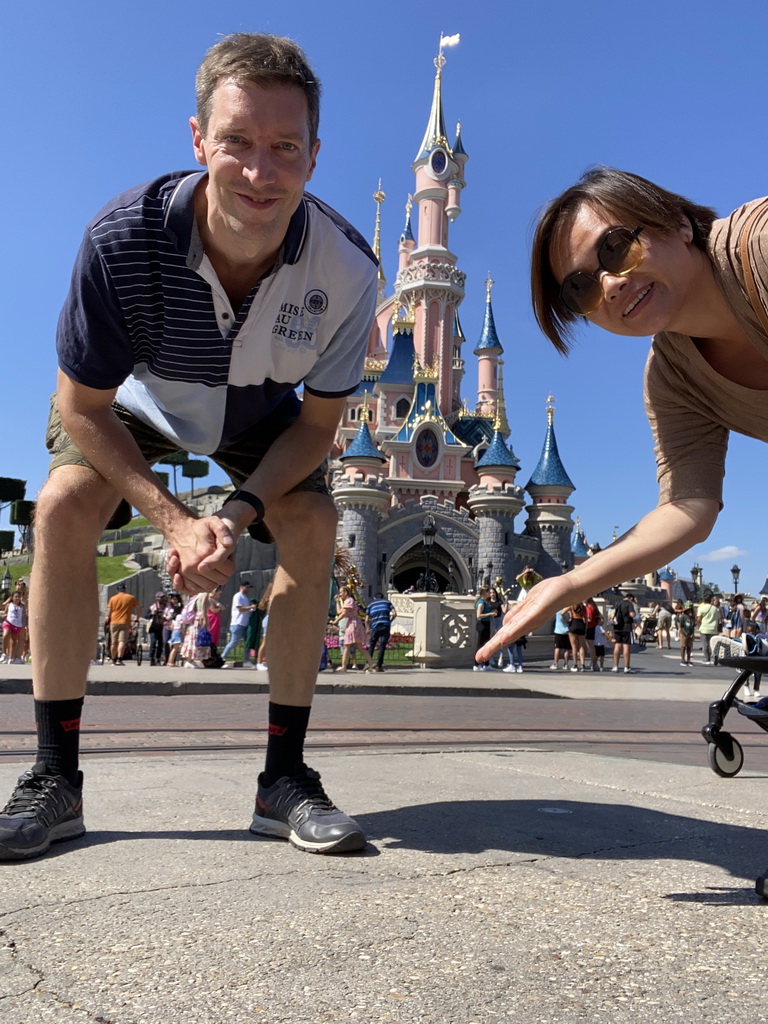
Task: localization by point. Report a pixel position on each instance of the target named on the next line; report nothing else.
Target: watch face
(438, 161)
(427, 448)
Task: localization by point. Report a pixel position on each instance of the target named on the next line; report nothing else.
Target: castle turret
(361, 495)
(455, 185)
(579, 546)
(488, 351)
(549, 516)
(495, 501)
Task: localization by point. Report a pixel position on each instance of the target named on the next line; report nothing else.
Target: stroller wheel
(725, 762)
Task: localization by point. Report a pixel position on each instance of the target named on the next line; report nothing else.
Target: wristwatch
(250, 499)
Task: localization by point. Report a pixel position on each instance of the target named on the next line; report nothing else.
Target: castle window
(353, 414)
(401, 409)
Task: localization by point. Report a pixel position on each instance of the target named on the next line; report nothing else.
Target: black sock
(285, 745)
(58, 736)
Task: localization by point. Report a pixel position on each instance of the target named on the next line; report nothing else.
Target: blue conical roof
(579, 544)
(458, 148)
(407, 235)
(457, 331)
(665, 574)
(489, 339)
(399, 369)
(362, 446)
(550, 471)
(497, 454)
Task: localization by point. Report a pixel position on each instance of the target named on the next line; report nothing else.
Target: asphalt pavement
(510, 880)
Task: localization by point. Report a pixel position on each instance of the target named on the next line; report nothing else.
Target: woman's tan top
(690, 406)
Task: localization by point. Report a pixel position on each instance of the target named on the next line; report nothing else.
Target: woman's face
(647, 300)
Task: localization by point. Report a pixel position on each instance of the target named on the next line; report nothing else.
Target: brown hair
(634, 200)
(264, 59)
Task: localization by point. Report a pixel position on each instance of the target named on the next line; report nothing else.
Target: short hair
(264, 59)
(634, 200)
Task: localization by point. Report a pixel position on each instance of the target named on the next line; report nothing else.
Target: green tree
(193, 469)
(175, 459)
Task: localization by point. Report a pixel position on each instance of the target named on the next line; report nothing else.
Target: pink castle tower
(428, 280)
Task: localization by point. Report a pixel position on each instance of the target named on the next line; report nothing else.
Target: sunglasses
(619, 251)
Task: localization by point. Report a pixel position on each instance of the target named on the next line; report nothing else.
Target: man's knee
(74, 501)
(304, 522)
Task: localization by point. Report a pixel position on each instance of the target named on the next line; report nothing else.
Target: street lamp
(489, 567)
(695, 578)
(7, 581)
(428, 531)
(735, 572)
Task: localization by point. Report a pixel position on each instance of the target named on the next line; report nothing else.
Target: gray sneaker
(43, 809)
(299, 810)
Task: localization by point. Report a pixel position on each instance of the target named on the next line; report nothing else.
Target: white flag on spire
(449, 40)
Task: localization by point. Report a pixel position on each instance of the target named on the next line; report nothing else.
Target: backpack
(618, 618)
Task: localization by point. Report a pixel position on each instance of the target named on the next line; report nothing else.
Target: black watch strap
(250, 499)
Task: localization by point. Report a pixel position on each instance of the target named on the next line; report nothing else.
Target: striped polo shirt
(146, 314)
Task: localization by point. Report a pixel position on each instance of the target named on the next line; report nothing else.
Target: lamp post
(7, 581)
(695, 577)
(489, 567)
(735, 572)
(428, 531)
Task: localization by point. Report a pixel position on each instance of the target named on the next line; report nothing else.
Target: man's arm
(204, 547)
(659, 537)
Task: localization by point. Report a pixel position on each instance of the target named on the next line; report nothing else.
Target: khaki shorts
(238, 460)
(119, 633)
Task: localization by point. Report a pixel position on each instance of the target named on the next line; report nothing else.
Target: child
(686, 624)
(598, 665)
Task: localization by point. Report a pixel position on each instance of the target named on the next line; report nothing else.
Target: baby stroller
(648, 635)
(724, 752)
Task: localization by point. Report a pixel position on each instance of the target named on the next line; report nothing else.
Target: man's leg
(72, 510)
(383, 640)
(236, 634)
(291, 802)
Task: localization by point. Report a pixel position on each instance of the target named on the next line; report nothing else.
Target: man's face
(259, 158)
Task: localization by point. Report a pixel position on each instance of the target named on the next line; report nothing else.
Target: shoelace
(311, 788)
(28, 794)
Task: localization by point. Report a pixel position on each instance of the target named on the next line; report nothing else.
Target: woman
(577, 634)
(484, 614)
(500, 607)
(663, 626)
(354, 634)
(215, 608)
(638, 260)
(593, 617)
(14, 623)
(760, 614)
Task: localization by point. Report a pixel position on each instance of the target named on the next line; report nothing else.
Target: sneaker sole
(58, 834)
(279, 830)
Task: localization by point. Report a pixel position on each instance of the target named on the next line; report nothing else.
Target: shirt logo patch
(315, 301)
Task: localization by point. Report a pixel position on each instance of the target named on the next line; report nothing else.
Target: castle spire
(489, 339)
(379, 196)
(407, 235)
(549, 471)
(501, 423)
(435, 133)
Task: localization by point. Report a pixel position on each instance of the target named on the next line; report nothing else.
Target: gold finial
(489, 283)
(501, 423)
(577, 524)
(408, 206)
(613, 537)
(365, 408)
(550, 408)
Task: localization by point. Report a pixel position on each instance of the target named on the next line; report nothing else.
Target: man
(121, 607)
(198, 302)
(623, 621)
(708, 621)
(242, 606)
(380, 613)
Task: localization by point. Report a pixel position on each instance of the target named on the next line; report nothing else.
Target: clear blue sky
(98, 100)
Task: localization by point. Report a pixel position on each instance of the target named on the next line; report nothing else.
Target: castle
(425, 486)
